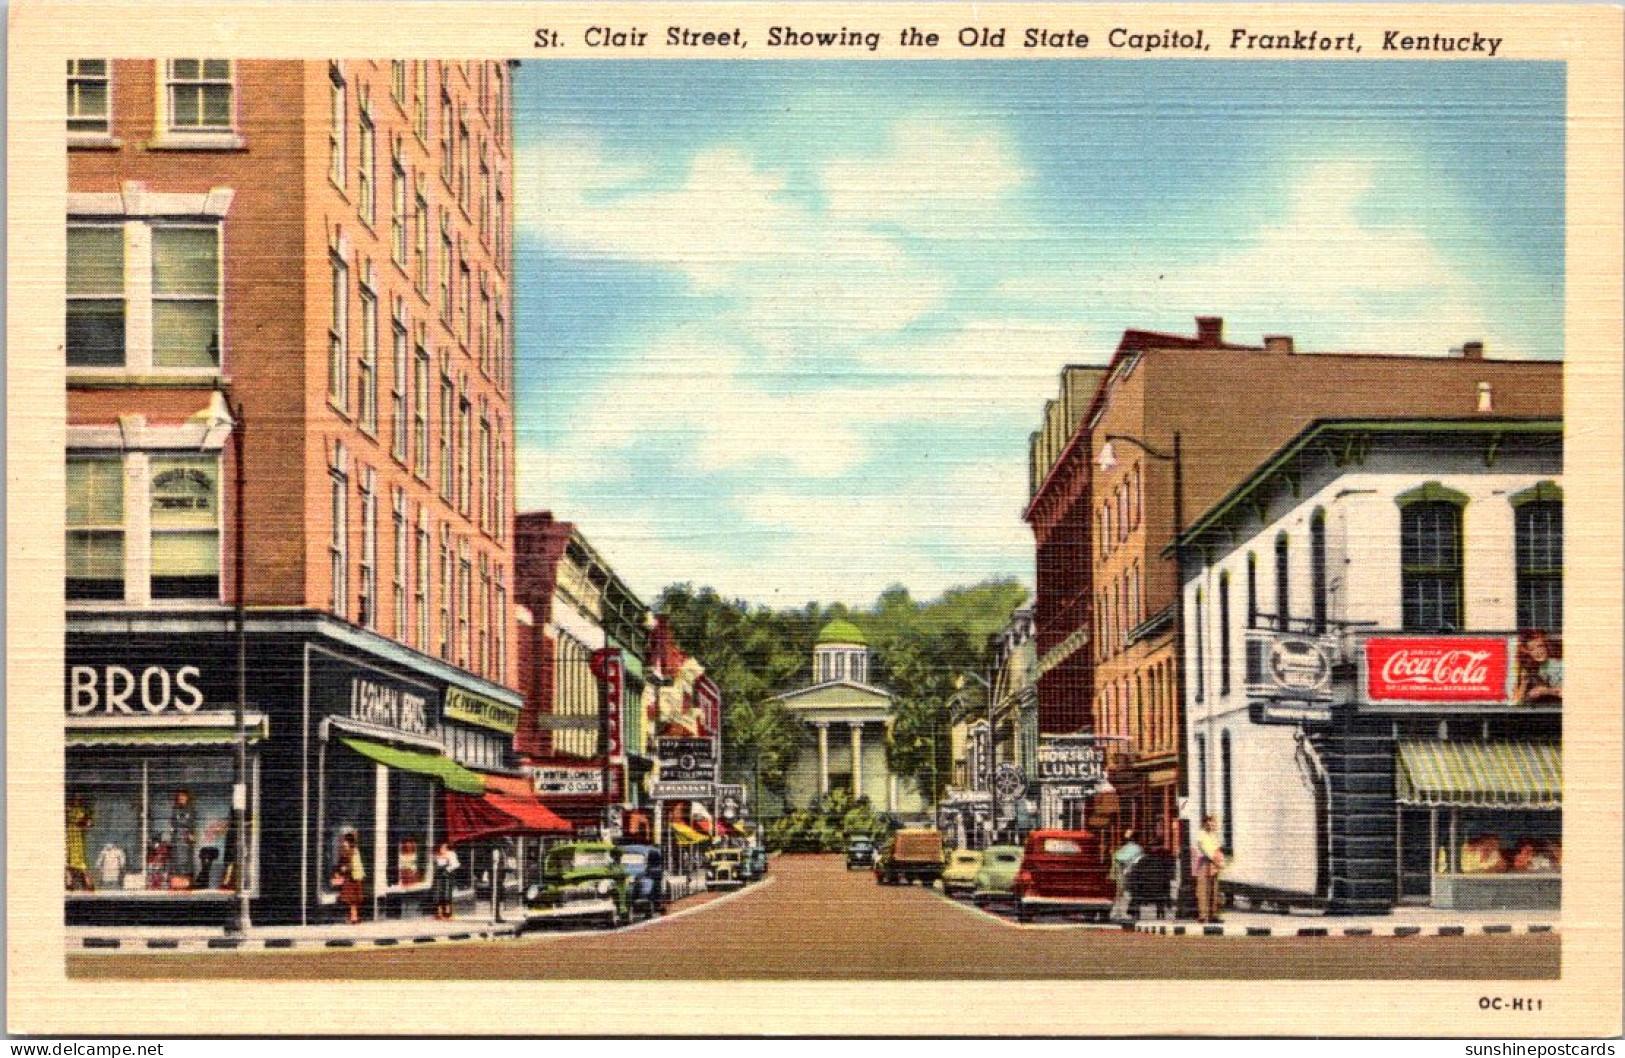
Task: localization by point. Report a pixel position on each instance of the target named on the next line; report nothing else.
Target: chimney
(1210, 331)
(1472, 350)
(1278, 343)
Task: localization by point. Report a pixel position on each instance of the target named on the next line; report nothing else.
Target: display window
(376, 804)
(1485, 841)
(349, 804)
(159, 825)
(411, 824)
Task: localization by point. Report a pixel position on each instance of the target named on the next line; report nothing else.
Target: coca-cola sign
(1448, 669)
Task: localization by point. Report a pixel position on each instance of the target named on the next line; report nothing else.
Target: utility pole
(237, 923)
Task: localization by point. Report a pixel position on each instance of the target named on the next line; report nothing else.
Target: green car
(996, 880)
(581, 881)
(959, 877)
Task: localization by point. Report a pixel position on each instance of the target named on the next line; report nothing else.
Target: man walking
(1206, 866)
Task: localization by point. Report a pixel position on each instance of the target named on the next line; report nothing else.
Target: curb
(108, 944)
(1165, 929)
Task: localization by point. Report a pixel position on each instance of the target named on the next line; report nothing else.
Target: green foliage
(826, 825)
(920, 652)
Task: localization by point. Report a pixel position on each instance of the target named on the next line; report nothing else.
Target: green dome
(839, 631)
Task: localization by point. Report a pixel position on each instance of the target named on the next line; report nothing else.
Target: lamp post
(1182, 763)
(238, 922)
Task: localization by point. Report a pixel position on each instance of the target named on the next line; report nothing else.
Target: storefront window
(348, 807)
(151, 825)
(411, 822)
(1492, 841)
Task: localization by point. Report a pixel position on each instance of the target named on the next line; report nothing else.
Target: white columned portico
(857, 759)
(823, 757)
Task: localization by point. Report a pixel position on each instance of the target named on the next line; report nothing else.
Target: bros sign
(1445, 669)
(120, 690)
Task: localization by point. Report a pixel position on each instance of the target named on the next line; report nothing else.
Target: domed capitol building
(846, 722)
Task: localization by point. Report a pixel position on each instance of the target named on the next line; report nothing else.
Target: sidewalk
(1404, 922)
(387, 933)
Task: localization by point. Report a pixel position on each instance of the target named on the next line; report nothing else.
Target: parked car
(959, 876)
(758, 862)
(860, 852)
(1150, 881)
(910, 856)
(724, 868)
(581, 881)
(645, 867)
(996, 879)
(1063, 871)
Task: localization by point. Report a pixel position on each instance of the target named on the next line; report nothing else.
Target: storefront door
(1415, 854)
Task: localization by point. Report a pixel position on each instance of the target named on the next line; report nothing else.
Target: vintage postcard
(514, 508)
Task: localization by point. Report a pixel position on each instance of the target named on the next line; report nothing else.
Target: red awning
(507, 807)
(702, 825)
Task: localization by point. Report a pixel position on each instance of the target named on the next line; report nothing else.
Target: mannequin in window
(182, 841)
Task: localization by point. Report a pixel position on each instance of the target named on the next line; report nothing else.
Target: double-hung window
(420, 580)
(368, 366)
(369, 548)
(367, 162)
(338, 337)
(89, 97)
(338, 125)
(397, 205)
(447, 428)
(1431, 566)
(143, 295)
(401, 363)
(185, 523)
(339, 544)
(420, 405)
(402, 541)
(420, 220)
(95, 521)
(199, 94)
(1538, 528)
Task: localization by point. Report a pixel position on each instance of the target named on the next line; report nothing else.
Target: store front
(346, 737)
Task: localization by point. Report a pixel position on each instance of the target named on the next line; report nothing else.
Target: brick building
(1230, 405)
(308, 264)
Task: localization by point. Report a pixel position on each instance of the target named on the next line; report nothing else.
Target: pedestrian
(1123, 861)
(1206, 866)
(350, 875)
(446, 864)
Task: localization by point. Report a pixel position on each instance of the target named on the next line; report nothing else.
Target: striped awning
(1481, 774)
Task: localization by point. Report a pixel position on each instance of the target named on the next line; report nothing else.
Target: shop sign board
(1289, 666)
(1435, 670)
(481, 711)
(708, 698)
(1266, 712)
(682, 791)
(122, 690)
(731, 802)
(1074, 761)
(610, 669)
(372, 696)
(686, 759)
(567, 781)
(1009, 781)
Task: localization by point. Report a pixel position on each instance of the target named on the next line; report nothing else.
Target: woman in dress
(351, 876)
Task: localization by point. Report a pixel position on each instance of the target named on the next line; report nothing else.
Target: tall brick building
(1231, 406)
(309, 263)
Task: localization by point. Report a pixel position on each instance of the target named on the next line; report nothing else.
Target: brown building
(309, 264)
(1229, 406)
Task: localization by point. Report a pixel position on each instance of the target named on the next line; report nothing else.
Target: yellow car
(959, 876)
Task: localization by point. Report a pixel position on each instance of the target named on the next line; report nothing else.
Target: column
(823, 758)
(857, 758)
(891, 793)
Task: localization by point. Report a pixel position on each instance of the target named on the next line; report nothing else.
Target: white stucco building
(1372, 652)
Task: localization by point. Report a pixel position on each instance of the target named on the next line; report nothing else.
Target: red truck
(1063, 871)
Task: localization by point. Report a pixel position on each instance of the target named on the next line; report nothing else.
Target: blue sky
(784, 327)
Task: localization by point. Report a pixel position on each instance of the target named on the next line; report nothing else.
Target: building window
(465, 606)
(1137, 500)
(368, 368)
(1201, 653)
(500, 515)
(465, 438)
(420, 405)
(500, 353)
(420, 102)
(120, 272)
(448, 129)
(397, 205)
(465, 300)
(185, 527)
(1201, 777)
(1252, 590)
(95, 527)
(420, 220)
(486, 607)
(89, 96)
(484, 343)
(446, 592)
(339, 545)
(366, 166)
(398, 577)
(338, 338)
(1538, 526)
(397, 82)
(502, 629)
(484, 204)
(1283, 584)
(501, 239)
(199, 94)
(1122, 511)
(369, 549)
(420, 581)
(1317, 568)
(401, 363)
(338, 126)
(463, 167)
(484, 487)
(1431, 566)
(1224, 634)
(447, 428)
(447, 264)
(1226, 798)
(96, 306)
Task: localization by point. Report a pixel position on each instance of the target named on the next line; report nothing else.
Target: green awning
(1481, 774)
(163, 735)
(452, 775)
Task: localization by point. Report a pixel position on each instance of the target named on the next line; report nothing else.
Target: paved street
(816, 920)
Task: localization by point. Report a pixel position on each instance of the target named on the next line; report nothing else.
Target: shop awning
(452, 775)
(1481, 774)
(223, 733)
(687, 835)
(507, 807)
